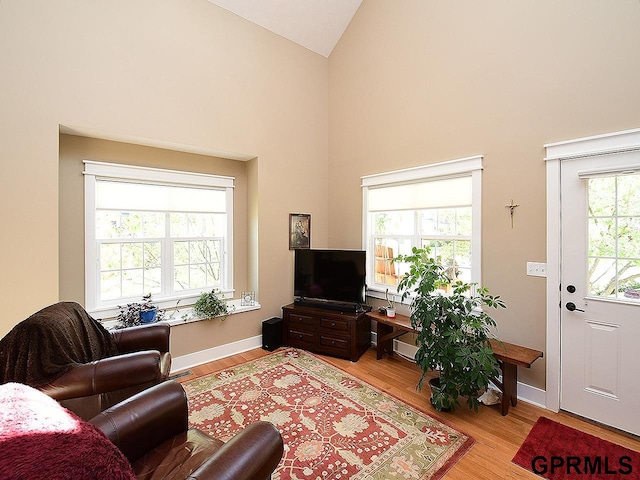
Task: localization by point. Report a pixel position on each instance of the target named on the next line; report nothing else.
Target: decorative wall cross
(512, 206)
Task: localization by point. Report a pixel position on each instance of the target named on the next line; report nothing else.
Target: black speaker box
(272, 334)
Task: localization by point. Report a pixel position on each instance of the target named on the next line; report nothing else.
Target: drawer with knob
(337, 345)
(302, 339)
(338, 324)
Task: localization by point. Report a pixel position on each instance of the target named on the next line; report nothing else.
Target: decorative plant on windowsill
(453, 330)
(210, 305)
(137, 313)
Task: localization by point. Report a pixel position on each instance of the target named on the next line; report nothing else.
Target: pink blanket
(39, 439)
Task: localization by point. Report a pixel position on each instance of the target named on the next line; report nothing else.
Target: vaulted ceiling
(314, 24)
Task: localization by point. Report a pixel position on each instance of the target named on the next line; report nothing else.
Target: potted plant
(137, 313)
(391, 305)
(210, 305)
(453, 330)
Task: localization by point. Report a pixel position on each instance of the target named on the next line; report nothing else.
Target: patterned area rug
(334, 425)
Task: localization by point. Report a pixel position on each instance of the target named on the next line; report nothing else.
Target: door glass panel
(614, 237)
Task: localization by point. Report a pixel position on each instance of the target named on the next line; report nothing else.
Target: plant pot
(148, 316)
(391, 312)
(435, 383)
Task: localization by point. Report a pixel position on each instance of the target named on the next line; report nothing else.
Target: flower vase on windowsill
(148, 316)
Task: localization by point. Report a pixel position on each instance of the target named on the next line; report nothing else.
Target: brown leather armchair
(151, 429)
(64, 352)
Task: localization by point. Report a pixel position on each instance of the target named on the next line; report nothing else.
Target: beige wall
(414, 82)
(179, 71)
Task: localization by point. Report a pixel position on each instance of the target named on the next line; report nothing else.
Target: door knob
(571, 288)
(572, 307)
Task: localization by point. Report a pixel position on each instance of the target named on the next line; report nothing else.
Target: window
(436, 206)
(614, 238)
(162, 232)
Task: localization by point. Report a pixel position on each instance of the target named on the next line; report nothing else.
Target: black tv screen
(333, 275)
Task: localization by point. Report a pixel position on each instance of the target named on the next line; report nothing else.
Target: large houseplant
(453, 330)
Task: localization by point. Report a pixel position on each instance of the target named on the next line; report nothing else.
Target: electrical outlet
(536, 269)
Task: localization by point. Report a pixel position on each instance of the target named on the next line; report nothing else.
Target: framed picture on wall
(299, 230)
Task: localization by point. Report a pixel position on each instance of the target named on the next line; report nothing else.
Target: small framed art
(299, 230)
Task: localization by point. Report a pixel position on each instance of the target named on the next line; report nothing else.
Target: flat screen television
(330, 275)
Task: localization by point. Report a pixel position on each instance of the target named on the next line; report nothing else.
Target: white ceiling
(314, 24)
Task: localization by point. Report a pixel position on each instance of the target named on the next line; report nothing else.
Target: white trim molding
(556, 153)
(191, 360)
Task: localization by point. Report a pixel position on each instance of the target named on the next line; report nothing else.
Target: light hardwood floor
(497, 438)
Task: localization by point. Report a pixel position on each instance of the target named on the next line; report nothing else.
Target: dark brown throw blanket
(50, 342)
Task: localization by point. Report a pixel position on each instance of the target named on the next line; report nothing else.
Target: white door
(600, 299)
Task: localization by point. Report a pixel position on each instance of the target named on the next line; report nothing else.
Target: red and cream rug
(334, 425)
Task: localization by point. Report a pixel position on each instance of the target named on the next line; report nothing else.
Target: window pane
(198, 225)
(463, 253)
(110, 285)
(110, 256)
(152, 280)
(111, 224)
(429, 222)
(152, 254)
(386, 271)
(601, 194)
(198, 277)
(602, 240)
(463, 222)
(181, 278)
(614, 236)
(629, 279)
(629, 237)
(132, 283)
(197, 264)
(132, 255)
(602, 277)
(447, 221)
(181, 253)
(394, 223)
(628, 198)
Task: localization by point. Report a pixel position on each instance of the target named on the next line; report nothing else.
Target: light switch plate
(536, 269)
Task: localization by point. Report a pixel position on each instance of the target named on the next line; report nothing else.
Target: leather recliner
(62, 351)
(151, 429)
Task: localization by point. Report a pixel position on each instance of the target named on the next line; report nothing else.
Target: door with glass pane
(600, 320)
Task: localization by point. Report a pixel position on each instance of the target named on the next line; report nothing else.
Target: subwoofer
(272, 334)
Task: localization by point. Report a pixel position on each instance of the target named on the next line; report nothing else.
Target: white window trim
(463, 166)
(94, 170)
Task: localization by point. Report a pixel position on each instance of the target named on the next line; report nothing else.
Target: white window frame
(471, 166)
(100, 170)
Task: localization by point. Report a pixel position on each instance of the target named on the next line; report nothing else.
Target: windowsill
(185, 315)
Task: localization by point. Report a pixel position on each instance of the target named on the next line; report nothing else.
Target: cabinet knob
(333, 324)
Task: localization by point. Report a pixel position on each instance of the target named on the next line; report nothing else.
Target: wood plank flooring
(497, 438)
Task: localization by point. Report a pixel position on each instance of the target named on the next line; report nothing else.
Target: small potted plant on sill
(210, 305)
(453, 331)
(137, 313)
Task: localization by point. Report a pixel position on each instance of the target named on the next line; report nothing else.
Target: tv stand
(331, 305)
(338, 333)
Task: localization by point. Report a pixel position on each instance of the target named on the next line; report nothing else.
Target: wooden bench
(508, 355)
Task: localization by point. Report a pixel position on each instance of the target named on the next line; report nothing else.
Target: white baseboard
(190, 360)
(526, 393)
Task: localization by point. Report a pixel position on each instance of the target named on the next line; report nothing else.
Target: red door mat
(557, 452)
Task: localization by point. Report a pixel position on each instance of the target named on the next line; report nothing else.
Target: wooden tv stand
(328, 332)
